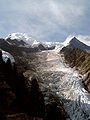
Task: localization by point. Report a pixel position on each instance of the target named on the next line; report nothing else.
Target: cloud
(46, 20)
(85, 39)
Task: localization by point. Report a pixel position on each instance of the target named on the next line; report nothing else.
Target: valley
(53, 71)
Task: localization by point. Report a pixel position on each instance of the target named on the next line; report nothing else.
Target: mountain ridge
(24, 40)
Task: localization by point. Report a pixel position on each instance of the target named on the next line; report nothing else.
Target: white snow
(23, 36)
(6, 55)
(65, 82)
(31, 41)
(68, 39)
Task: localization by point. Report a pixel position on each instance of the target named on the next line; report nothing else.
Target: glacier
(66, 82)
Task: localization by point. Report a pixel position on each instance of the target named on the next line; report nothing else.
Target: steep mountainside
(79, 58)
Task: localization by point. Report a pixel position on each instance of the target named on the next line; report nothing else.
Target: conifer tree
(37, 99)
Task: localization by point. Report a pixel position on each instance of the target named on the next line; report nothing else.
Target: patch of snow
(6, 55)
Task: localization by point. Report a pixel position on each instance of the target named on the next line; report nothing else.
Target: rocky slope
(78, 57)
(81, 61)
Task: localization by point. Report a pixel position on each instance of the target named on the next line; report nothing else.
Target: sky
(46, 20)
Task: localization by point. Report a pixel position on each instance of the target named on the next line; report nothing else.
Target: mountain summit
(21, 39)
(75, 43)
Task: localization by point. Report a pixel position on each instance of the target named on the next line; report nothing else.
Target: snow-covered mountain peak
(74, 40)
(69, 39)
(21, 38)
(75, 43)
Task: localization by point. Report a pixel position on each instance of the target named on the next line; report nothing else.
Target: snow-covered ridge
(24, 40)
(6, 55)
(23, 36)
(30, 41)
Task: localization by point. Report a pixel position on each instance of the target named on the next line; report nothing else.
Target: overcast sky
(48, 20)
